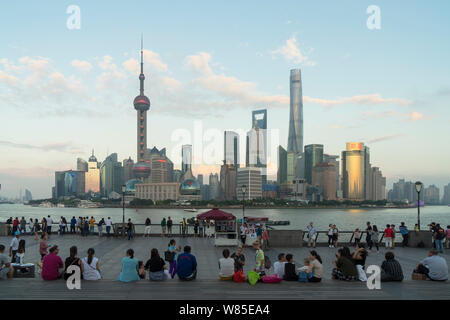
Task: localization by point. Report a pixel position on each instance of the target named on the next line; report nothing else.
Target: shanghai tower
(295, 138)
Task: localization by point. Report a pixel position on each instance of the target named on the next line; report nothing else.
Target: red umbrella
(215, 214)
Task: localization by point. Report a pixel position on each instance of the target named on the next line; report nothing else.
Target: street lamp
(244, 190)
(419, 186)
(124, 188)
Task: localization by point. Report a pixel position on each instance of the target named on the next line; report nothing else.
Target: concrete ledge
(286, 238)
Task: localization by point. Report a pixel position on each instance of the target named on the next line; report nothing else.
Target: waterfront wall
(286, 238)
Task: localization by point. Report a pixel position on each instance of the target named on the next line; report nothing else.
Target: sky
(65, 91)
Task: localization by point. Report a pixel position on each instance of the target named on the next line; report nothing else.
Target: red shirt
(388, 233)
(50, 265)
(15, 222)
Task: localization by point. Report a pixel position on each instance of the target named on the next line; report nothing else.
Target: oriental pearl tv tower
(142, 104)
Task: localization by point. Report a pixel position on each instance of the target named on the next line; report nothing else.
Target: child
(289, 269)
(357, 235)
(330, 236)
(305, 267)
(388, 236)
(141, 270)
(278, 267)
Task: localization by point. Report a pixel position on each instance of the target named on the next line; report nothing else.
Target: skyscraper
(92, 175)
(335, 161)
(251, 177)
(295, 137)
(446, 197)
(142, 105)
(186, 158)
(256, 149)
(111, 175)
(313, 155)
(286, 166)
(353, 165)
(227, 182)
(231, 148)
(82, 165)
(324, 176)
(128, 165)
(161, 166)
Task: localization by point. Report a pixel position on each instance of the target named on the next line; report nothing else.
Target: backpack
(239, 276)
(302, 276)
(169, 256)
(267, 262)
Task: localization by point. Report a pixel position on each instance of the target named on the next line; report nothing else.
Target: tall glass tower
(295, 138)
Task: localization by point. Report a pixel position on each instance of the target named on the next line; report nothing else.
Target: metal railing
(349, 236)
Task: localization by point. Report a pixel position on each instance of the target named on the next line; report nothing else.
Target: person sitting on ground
(91, 270)
(434, 267)
(157, 268)
(278, 267)
(290, 273)
(72, 260)
(130, 268)
(226, 266)
(344, 268)
(315, 267)
(141, 270)
(259, 257)
(391, 270)
(186, 265)
(6, 271)
(239, 260)
(51, 265)
(360, 255)
(305, 267)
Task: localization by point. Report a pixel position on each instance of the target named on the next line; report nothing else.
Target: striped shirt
(393, 268)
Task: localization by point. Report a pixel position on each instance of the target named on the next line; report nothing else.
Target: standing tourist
(148, 227)
(51, 265)
(391, 270)
(6, 271)
(80, 225)
(163, 226)
(9, 222)
(259, 257)
(44, 225)
(100, 227)
(357, 237)
(186, 265)
(130, 267)
(49, 226)
(405, 234)
(91, 270)
(72, 260)
(259, 232)
(265, 239)
(226, 266)
(183, 227)
(85, 227)
(73, 224)
(393, 235)
(201, 228)
(23, 226)
(36, 229)
(20, 255)
(108, 226)
(169, 227)
(243, 231)
(172, 259)
(374, 235)
(312, 235)
(388, 236)
(239, 260)
(335, 236)
(196, 225)
(31, 226)
(14, 246)
(62, 226)
(447, 237)
(368, 234)
(16, 224)
(91, 226)
(43, 246)
(439, 237)
(129, 229)
(157, 269)
(330, 236)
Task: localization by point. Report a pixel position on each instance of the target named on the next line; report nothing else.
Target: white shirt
(243, 231)
(108, 222)
(278, 268)
(90, 271)
(330, 231)
(226, 267)
(14, 244)
(49, 221)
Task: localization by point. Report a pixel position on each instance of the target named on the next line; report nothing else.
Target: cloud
(386, 138)
(368, 99)
(7, 79)
(199, 63)
(407, 116)
(291, 52)
(66, 147)
(83, 66)
(151, 59)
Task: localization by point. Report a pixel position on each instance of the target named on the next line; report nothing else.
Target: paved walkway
(111, 250)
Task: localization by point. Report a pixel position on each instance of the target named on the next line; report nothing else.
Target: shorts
(4, 272)
(148, 229)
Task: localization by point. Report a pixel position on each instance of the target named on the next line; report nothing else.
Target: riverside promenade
(207, 286)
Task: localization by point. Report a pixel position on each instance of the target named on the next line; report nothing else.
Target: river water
(345, 219)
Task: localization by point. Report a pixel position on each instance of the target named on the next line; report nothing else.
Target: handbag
(169, 256)
(239, 276)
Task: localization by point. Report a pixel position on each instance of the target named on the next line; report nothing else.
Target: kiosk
(225, 226)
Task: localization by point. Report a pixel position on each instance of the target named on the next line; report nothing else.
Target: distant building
(82, 165)
(158, 191)
(353, 165)
(28, 196)
(269, 191)
(446, 197)
(205, 192)
(431, 195)
(189, 188)
(256, 146)
(295, 137)
(313, 155)
(214, 186)
(335, 161)
(186, 158)
(69, 183)
(231, 148)
(228, 181)
(161, 167)
(368, 192)
(200, 179)
(378, 187)
(128, 165)
(403, 191)
(92, 175)
(286, 166)
(324, 176)
(177, 175)
(252, 178)
(111, 175)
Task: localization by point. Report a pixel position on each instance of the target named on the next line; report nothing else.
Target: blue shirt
(174, 250)
(403, 230)
(186, 265)
(129, 270)
(73, 222)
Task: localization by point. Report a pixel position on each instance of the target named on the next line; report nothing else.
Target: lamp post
(419, 186)
(124, 188)
(244, 190)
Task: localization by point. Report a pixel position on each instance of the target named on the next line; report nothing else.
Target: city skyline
(76, 96)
